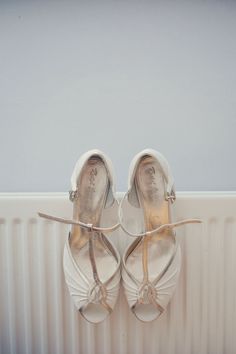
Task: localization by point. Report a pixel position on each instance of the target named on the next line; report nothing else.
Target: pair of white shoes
(151, 263)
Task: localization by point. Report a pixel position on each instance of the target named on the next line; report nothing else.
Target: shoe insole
(93, 186)
(153, 252)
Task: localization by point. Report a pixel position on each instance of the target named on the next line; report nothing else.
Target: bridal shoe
(91, 262)
(151, 264)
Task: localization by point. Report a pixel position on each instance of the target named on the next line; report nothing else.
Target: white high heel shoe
(151, 264)
(91, 262)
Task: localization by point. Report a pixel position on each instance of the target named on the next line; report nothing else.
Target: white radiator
(38, 316)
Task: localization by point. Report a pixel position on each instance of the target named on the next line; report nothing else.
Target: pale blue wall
(119, 76)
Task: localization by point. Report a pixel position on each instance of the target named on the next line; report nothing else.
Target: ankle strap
(160, 228)
(89, 227)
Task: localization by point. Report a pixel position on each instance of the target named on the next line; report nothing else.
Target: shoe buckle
(90, 227)
(73, 195)
(170, 196)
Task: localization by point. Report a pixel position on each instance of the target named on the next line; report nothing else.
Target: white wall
(119, 76)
